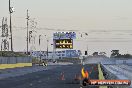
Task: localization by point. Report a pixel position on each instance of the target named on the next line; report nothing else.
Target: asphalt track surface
(51, 78)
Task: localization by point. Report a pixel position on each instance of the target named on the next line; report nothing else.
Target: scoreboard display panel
(64, 43)
(64, 35)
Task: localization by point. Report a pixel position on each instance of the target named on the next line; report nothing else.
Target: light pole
(40, 46)
(27, 31)
(47, 48)
(47, 39)
(87, 43)
(86, 34)
(54, 49)
(11, 11)
(47, 45)
(40, 40)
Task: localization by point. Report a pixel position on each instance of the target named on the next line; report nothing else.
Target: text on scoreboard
(64, 43)
(64, 35)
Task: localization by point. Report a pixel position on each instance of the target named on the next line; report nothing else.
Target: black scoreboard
(64, 43)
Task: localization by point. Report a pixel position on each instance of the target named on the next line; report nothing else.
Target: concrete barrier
(111, 61)
(12, 62)
(108, 75)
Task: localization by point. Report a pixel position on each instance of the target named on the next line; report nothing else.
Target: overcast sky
(108, 21)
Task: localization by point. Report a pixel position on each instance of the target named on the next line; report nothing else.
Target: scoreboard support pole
(54, 49)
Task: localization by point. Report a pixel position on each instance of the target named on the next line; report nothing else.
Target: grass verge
(101, 76)
(5, 66)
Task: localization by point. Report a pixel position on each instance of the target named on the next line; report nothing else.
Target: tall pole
(10, 11)
(87, 50)
(40, 46)
(27, 31)
(39, 40)
(47, 48)
(87, 44)
(54, 49)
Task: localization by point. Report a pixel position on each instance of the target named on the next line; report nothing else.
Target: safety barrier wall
(111, 61)
(14, 60)
(108, 75)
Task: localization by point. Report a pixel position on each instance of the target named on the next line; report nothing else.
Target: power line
(88, 31)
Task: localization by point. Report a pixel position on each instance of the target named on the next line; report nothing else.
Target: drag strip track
(52, 78)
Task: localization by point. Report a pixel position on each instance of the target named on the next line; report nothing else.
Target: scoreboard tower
(63, 40)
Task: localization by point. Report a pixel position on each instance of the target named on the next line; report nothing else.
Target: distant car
(54, 61)
(42, 63)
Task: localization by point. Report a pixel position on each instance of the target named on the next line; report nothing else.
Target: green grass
(101, 76)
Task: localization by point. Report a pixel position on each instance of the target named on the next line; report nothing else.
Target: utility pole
(39, 40)
(47, 46)
(11, 11)
(87, 44)
(87, 50)
(4, 36)
(47, 49)
(54, 49)
(86, 34)
(40, 46)
(27, 30)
